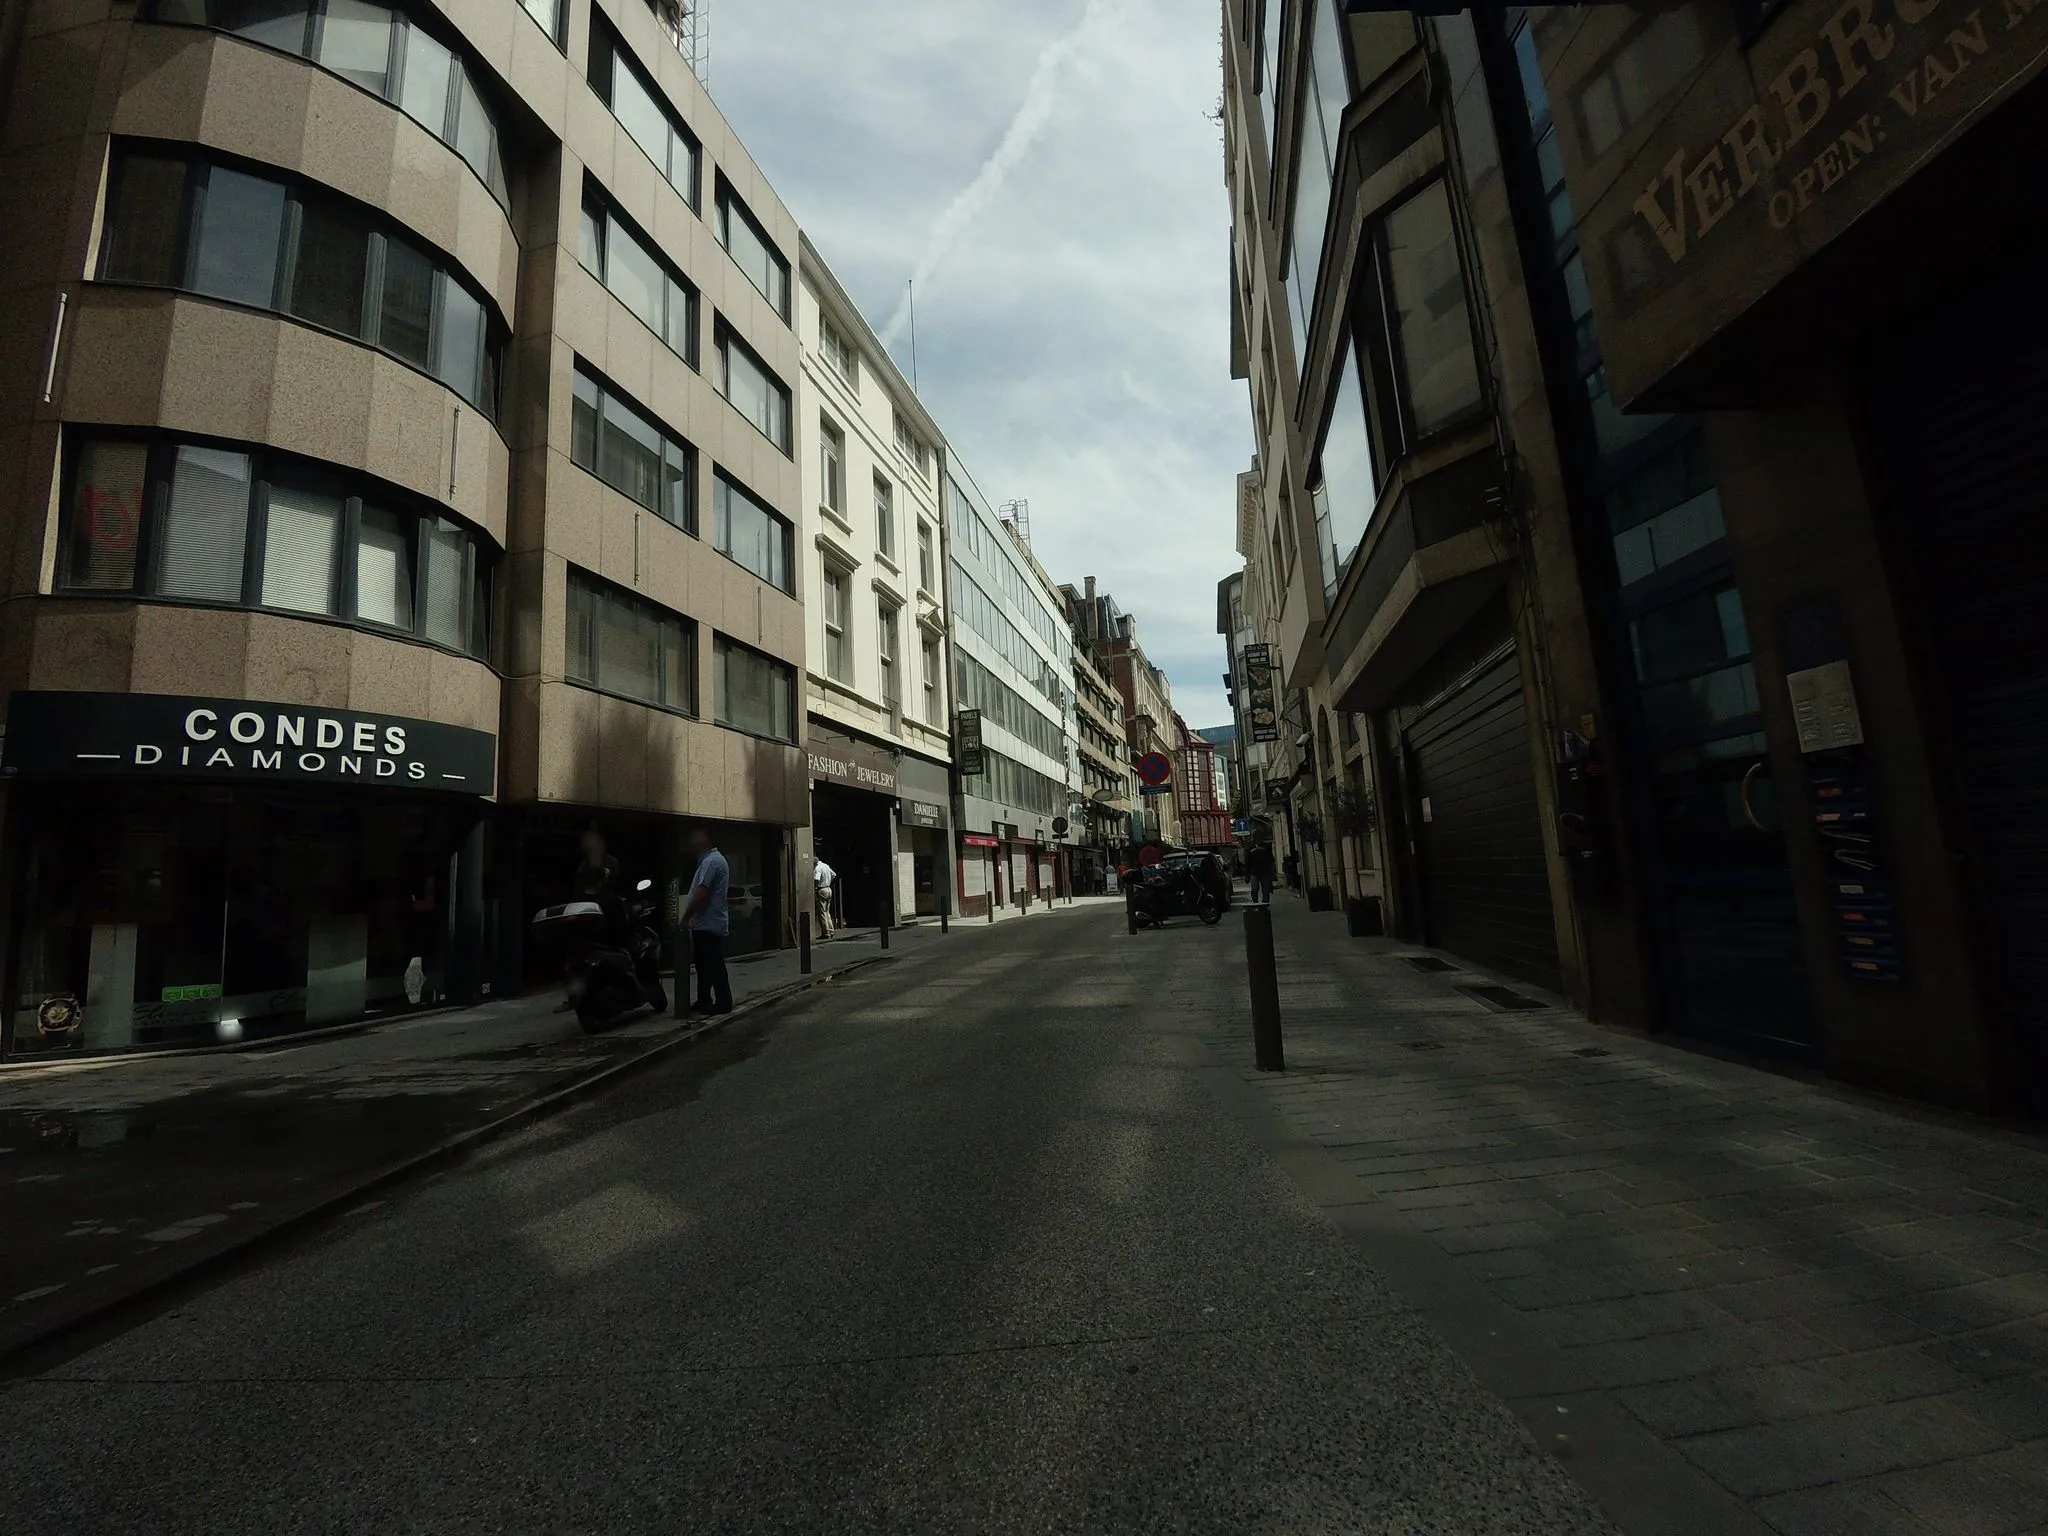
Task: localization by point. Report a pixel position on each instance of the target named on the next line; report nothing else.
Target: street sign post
(1155, 769)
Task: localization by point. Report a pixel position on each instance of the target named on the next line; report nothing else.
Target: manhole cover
(1500, 998)
(1424, 1045)
(1427, 962)
(1591, 1050)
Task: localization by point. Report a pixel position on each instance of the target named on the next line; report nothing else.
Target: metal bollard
(945, 910)
(1265, 989)
(803, 943)
(679, 1003)
(888, 917)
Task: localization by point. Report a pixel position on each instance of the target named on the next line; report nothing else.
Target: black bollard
(1265, 989)
(888, 918)
(803, 943)
(680, 1003)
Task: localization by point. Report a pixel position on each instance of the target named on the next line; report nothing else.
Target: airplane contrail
(1033, 113)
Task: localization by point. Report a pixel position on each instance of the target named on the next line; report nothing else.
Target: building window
(934, 672)
(832, 467)
(625, 447)
(887, 634)
(975, 687)
(1269, 66)
(749, 246)
(754, 392)
(1429, 320)
(838, 615)
(205, 524)
(927, 561)
(548, 14)
(643, 112)
(839, 353)
(1347, 486)
(624, 260)
(298, 251)
(383, 51)
(621, 643)
(753, 693)
(751, 535)
(885, 518)
(912, 447)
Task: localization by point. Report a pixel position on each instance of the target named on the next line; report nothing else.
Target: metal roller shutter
(1959, 415)
(1485, 883)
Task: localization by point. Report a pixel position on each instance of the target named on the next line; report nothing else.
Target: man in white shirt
(824, 875)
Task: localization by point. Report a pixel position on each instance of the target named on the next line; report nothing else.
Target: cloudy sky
(1050, 171)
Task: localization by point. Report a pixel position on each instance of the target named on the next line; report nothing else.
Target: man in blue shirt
(705, 914)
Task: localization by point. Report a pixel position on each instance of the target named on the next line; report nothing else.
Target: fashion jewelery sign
(160, 736)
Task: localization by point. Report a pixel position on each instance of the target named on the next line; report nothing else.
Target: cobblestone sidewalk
(1833, 1307)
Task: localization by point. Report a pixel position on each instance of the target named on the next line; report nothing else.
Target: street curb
(51, 1337)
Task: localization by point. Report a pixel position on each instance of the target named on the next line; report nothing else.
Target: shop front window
(177, 917)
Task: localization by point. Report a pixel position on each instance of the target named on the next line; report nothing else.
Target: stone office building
(1655, 398)
(1814, 232)
(876, 696)
(395, 406)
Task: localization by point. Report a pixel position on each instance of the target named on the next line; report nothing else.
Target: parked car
(1207, 868)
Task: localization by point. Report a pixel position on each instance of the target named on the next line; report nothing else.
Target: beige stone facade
(702, 720)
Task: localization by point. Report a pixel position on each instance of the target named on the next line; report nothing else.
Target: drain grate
(1427, 963)
(1423, 1045)
(1591, 1050)
(1501, 998)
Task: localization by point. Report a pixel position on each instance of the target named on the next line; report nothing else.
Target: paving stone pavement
(1834, 1306)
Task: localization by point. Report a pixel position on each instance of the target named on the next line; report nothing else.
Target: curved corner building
(396, 482)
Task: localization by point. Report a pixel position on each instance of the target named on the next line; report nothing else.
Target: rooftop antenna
(1018, 515)
(912, 285)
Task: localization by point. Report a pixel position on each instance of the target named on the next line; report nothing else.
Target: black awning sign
(152, 736)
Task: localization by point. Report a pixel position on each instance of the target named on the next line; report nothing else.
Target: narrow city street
(1005, 1235)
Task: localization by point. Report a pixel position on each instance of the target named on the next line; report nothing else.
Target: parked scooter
(1162, 893)
(604, 980)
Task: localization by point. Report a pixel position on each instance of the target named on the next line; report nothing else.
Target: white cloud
(1052, 170)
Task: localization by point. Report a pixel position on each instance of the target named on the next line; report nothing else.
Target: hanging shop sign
(967, 748)
(838, 759)
(1257, 666)
(162, 736)
(1819, 124)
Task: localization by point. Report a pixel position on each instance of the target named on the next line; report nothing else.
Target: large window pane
(757, 396)
(763, 265)
(146, 224)
(446, 552)
(754, 692)
(206, 527)
(1311, 216)
(423, 95)
(355, 42)
(583, 417)
(1350, 487)
(635, 276)
(750, 534)
(547, 13)
(1429, 301)
(274, 23)
(640, 114)
(300, 538)
(384, 568)
(460, 349)
(1332, 89)
(679, 330)
(328, 269)
(678, 485)
(106, 516)
(408, 309)
(240, 223)
(629, 453)
(628, 651)
(581, 654)
(476, 140)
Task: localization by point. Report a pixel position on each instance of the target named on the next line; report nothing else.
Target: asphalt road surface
(962, 1243)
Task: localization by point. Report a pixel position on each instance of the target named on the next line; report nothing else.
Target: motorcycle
(604, 980)
(1160, 894)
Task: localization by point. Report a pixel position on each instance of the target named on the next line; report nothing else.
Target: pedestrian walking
(709, 920)
(825, 877)
(1293, 866)
(1258, 865)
